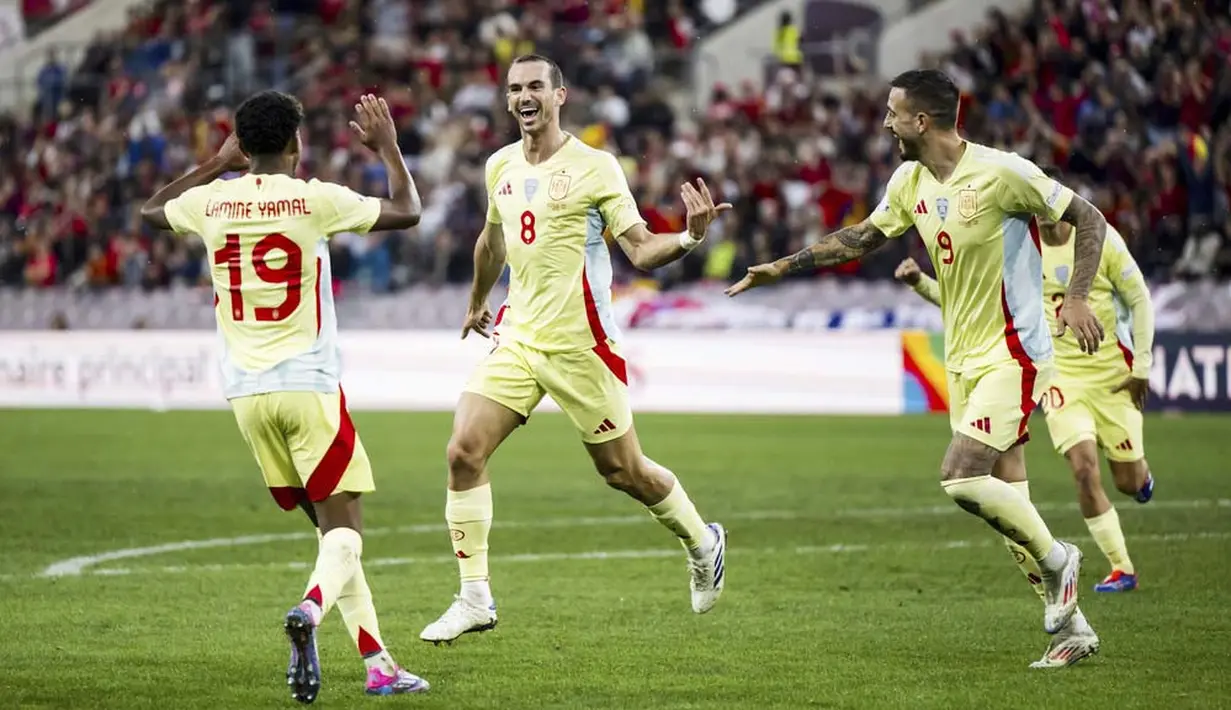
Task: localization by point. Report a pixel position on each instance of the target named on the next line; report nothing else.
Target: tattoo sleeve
(1091, 229)
(837, 248)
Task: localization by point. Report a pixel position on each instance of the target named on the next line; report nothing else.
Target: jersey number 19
(288, 274)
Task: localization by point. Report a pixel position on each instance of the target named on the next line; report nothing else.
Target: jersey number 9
(288, 274)
(945, 243)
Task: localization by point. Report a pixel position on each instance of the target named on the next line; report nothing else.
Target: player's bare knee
(1129, 476)
(467, 459)
(1085, 468)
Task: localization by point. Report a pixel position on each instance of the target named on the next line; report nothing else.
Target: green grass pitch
(853, 581)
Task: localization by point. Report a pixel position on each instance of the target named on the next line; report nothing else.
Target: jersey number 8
(527, 227)
(289, 274)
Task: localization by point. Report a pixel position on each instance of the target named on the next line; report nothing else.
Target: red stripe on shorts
(1029, 373)
(324, 480)
(1128, 354)
(614, 362)
(1034, 234)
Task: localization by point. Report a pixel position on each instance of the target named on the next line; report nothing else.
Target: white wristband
(687, 243)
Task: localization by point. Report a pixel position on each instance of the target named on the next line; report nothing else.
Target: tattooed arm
(835, 248)
(1091, 230)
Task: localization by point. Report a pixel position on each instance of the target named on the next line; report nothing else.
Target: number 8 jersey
(553, 216)
(980, 233)
(267, 238)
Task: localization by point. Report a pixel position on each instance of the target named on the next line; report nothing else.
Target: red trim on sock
(368, 646)
(314, 594)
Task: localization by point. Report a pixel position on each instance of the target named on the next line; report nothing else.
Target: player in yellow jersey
(973, 206)
(267, 234)
(550, 200)
(1094, 402)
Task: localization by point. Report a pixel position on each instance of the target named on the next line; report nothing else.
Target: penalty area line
(82, 564)
(538, 557)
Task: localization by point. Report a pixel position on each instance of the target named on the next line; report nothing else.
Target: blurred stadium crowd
(1092, 88)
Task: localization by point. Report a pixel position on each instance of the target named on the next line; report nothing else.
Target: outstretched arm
(835, 248)
(648, 251)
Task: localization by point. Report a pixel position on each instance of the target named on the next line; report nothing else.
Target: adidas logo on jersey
(984, 425)
(921, 208)
(505, 189)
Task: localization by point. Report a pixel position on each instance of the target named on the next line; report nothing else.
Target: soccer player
(1095, 402)
(550, 199)
(973, 206)
(267, 236)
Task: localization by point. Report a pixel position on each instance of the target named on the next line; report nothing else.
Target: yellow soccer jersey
(269, 259)
(553, 215)
(980, 233)
(1120, 299)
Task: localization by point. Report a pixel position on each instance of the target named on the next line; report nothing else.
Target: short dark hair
(557, 76)
(266, 122)
(930, 91)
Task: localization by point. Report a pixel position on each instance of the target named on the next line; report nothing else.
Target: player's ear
(561, 96)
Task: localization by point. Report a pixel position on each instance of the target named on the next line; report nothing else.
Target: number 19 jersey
(979, 230)
(267, 241)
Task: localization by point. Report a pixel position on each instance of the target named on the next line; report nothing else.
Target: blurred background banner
(1191, 372)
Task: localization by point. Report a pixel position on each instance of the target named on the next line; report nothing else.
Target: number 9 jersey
(267, 238)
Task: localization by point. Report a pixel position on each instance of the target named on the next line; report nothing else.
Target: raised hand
(701, 208)
(373, 124)
(230, 154)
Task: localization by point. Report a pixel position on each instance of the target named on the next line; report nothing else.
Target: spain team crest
(968, 203)
(558, 187)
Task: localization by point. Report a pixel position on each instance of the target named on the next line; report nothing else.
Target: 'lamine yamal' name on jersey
(980, 233)
(553, 216)
(267, 237)
(1117, 292)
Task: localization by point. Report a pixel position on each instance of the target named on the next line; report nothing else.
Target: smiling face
(906, 125)
(533, 99)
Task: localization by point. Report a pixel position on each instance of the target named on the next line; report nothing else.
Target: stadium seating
(1079, 88)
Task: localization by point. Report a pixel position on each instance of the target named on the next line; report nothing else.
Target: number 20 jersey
(267, 241)
(980, 233)
(553, 216)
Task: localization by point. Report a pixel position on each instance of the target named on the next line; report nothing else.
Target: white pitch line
(77, 565)
(532, 557)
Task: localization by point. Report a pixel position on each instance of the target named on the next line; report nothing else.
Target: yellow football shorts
(589, 385)
(993, 405)
(305, 444)
(1078, 412)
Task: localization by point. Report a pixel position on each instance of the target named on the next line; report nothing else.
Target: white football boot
(462, 617)
(1060, 590)
(708, 572)
(1072, 643)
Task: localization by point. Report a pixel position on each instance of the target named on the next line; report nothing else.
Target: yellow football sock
(469, 514)
(1105, 529)
(359, 614)
(677, 513)
(336, 562)
(1005, 509)
(1025, 562)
